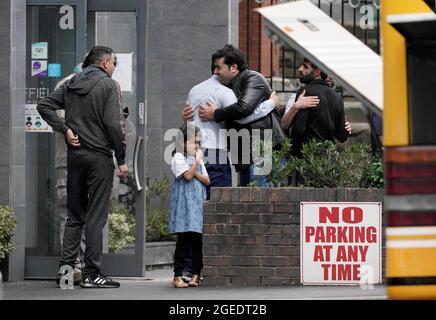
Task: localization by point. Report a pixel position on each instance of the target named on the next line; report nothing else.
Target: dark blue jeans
(244, 176)
(219, 172)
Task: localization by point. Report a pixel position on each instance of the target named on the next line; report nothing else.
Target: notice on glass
(40, 50)
(34, 121)
(123, 71)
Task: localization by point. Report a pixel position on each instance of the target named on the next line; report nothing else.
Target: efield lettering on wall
(341, 243)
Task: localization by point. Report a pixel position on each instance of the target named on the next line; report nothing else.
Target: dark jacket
(92, 103)
(324, 122)
(251, 88)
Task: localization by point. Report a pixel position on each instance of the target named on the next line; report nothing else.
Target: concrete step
(355, 112)
(360, 134)
(359, 128)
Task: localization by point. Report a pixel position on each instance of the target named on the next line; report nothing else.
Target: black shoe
(99, 281)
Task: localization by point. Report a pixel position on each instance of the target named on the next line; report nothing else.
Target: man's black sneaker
(99, 281)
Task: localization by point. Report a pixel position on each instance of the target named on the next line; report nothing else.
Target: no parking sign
(340, 243)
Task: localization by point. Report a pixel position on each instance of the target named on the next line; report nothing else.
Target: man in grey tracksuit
(94, 129)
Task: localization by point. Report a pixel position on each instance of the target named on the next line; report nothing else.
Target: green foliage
(7, 227)
(322, 165)
(373, 174)
(122, 221)
(158, 191)
(121, 226)
(280, 172)
(157, 224)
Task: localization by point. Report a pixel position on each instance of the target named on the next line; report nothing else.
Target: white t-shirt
(290, 102)
(213, 133)
(180, 164)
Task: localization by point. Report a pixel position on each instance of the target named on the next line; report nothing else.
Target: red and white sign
(340, 243)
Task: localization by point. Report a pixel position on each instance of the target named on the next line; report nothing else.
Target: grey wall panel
(154, 77)
(191, 42)
(155, 12)
(154, 115)
(18, 147)
(20, 215)
(196, 12)
(16, 25)
(4, 186)
(181, 37)
(5, 154)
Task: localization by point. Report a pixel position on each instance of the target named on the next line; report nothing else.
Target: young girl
(186, 215)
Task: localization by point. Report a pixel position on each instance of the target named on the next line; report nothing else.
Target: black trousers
(244, 176)
(186, 241)
(89, 185)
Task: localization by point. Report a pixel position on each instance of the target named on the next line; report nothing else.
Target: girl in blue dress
(188, 195)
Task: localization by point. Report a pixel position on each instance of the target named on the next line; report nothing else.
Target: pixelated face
(109, 64)
(192, 145)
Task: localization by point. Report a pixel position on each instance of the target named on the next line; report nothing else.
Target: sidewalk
(157, 286)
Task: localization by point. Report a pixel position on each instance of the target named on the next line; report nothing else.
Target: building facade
(163, 47)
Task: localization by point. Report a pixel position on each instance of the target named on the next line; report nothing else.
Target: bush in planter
(7, 227)
(322, 165)
(121, 226)
(373, 174)
(279, 171)
(157, 224)
(158, 192)
(122, 221)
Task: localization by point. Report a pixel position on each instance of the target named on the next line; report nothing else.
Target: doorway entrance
(59, 34)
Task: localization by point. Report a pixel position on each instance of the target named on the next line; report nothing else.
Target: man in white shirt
(214, 136)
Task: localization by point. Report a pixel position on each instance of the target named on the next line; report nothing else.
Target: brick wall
(249, 32)
(252, 235)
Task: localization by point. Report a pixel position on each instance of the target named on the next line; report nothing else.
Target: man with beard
(323, 122)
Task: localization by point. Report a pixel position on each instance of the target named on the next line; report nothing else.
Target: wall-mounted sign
(34, 122)
(340, 243)
(39, 68)
(40, 50)
(54, 70)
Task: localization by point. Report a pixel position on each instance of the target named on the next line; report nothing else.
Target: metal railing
(280, 64)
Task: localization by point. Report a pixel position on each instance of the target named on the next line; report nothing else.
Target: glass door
(59, 33)
(116, 25)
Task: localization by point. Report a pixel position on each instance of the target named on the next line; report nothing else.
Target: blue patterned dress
(187, 197)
